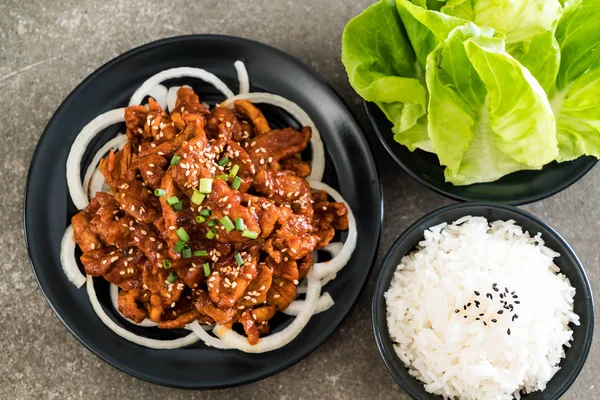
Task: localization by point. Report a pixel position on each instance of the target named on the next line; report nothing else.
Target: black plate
(48, 207)
(520, 187)
(568, 263)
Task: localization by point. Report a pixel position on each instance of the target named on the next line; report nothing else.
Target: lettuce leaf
(381, 67)
(488, 116)
(519, 20)
(576, 98)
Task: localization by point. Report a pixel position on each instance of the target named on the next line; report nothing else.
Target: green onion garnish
(175, 160)
(223, 161)
(159, 192)
(205, 185)
(200, 253)
(187, 252)
(172, 200)
(213, 222)
(227, 223)
(172, 278)
(205, 212)
(222, 177)
(197, 197)
(234, 171)
(249, 234)
(166, 263)
(178, 206)
(235, 185)
(211, 234)
(182, 234)
(178, 246)
(239, 224)
(200, 219)
(206, 269)
(238, 259)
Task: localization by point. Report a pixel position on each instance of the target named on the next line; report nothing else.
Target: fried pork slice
(222, 123)
(128, 304)
(281, 293)
(256, 292)
(221, 316)
(277, 144)
(251, 112)
(296, 165)
(109, 223)
(286, 269)
(328, 216)
(116, 167)
(138, 201)
(152, 169)
(256, 322)
(82, 234)
(228, 281)
(284, 186)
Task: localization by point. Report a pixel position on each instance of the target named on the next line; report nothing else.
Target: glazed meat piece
(249, 111)
(82, 234)
(209, 217)
(278, 144)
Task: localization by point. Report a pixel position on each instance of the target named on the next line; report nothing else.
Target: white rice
(461, 358)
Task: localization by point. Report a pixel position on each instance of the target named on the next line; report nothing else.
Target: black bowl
(569, 265)
(520, 187)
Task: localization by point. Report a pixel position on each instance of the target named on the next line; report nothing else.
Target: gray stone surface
(47, 47)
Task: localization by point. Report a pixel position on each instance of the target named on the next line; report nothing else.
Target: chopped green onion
(200, 219)
(213, 222)
(235, 185)
(239, 224)
(166, 263)
(238, 259)
(222, 177)
(178, 206)
(178, 246)
(182, 234)
(172, 200)
(159, 192)
(227, 223)
(197, 197)
(223, 161)
(172, 278)
(205, 185)
(234, 171)
(249, 234)
(211, 234)
(187, 252)
(206, 269)
(175, 160)
(205, 212)
(200, 253)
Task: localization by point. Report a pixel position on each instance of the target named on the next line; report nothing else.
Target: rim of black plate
(161, 42)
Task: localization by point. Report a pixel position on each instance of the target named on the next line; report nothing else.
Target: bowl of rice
(482, 301)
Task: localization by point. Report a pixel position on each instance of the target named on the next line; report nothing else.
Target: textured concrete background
(47, 47)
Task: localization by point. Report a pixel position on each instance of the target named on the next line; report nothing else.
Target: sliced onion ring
(67, 259)
(206, 337)
(283, 337)
(324, 304)
(117, 142)
(338, 262)
(318, 153)
(159, 94)
(98, 124)
(180, 72)
(243, 79)
(132, 337)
